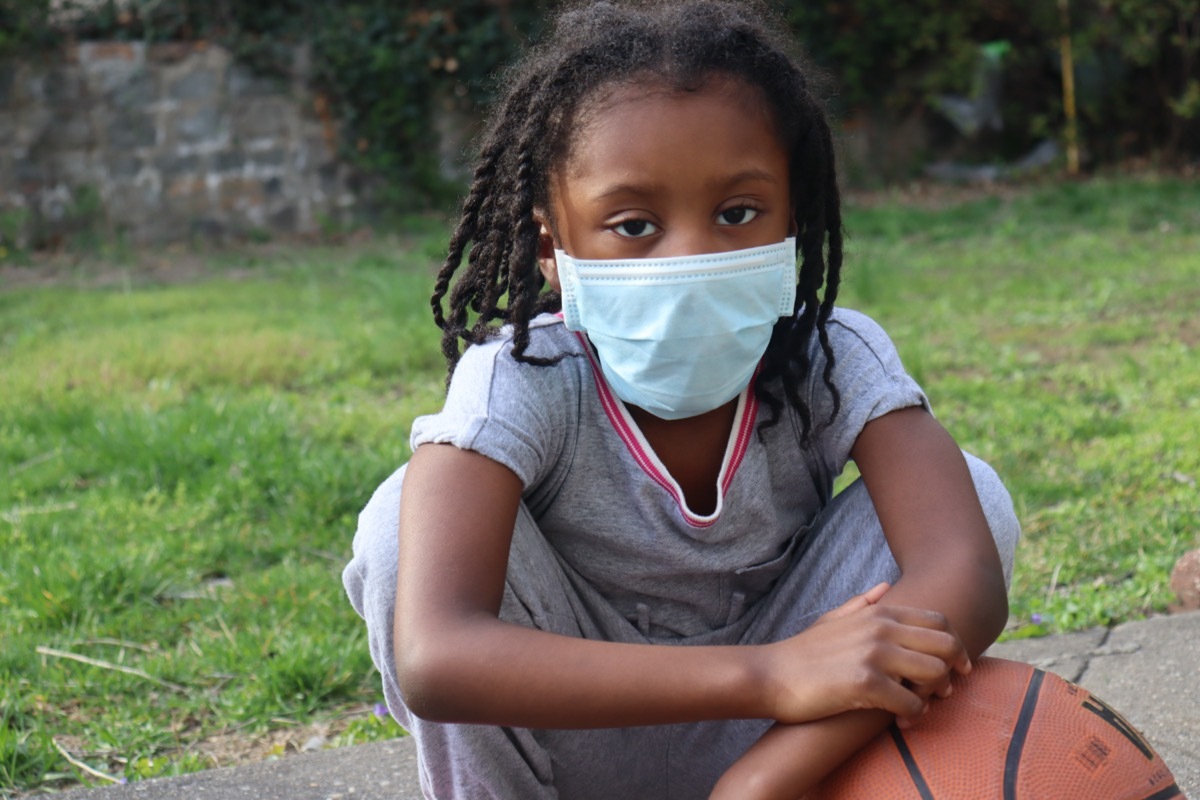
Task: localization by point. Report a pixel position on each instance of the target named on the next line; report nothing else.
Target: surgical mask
(680, 336)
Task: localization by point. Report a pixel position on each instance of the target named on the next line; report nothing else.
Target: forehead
(622, 117)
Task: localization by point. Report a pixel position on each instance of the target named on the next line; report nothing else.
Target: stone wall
(163, 143)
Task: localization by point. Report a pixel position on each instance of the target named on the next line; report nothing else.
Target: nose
(689, 240)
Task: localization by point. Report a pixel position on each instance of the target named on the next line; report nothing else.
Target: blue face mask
(680, 336)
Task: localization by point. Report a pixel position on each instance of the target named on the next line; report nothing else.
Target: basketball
(1012, 732)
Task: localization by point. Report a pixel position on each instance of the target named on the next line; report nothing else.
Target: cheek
(549, 269)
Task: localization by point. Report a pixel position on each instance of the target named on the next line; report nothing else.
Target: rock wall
(164, 143)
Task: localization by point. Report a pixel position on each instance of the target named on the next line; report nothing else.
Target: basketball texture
(1009, 731)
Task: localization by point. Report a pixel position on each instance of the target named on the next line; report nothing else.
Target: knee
(998, 509)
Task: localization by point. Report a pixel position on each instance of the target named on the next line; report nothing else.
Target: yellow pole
(1068, 82)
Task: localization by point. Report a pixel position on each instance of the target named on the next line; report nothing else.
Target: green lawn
(181, 464)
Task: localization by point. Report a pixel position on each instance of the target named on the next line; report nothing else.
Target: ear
(793, 226)
(545, 257)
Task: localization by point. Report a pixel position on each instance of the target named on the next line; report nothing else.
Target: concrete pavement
(1148, 670)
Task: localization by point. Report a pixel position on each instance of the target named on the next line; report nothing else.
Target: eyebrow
(645, 189)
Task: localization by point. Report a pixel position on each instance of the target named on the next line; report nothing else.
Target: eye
(737, 216)
(635, 228)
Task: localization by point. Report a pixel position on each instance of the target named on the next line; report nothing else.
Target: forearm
(968, 591)
(790, 760)
(492, 672)
(457, 661)
(922, 490)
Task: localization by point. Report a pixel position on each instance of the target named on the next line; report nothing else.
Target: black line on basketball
(1168, 793)
(914, 771)
(1013, 759)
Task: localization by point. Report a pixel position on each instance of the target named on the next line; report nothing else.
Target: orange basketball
(1010, 732)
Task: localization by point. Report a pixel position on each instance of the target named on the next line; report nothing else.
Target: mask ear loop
(798, 302)
(568, 279)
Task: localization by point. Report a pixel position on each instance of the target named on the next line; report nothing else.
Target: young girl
(620, 569)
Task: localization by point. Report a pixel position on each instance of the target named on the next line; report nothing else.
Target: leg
(843, 554)
(469, 762)
(846, 554)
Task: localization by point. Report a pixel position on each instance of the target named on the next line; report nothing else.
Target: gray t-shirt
(613, 514)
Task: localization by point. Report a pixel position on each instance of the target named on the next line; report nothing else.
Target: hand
(863, 655)
(941, 688)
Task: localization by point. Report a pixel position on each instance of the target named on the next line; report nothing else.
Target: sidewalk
(1148, 670)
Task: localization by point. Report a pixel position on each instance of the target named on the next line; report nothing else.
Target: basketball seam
(1012, 760)
(910, 763)
(1168, 793)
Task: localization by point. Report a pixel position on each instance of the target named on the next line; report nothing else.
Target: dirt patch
(161, 267)
(234, 748)
(934, 196)
(170, 264)
(228, 748)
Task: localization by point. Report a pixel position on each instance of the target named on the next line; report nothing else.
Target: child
(620, 569)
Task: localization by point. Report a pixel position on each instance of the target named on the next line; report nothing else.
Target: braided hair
(595, 45)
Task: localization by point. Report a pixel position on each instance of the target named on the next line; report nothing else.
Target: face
(655, 172)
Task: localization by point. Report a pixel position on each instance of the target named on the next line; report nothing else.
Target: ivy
(386, 70)
(391, 72)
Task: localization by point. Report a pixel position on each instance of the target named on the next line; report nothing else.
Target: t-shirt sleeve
(871, 381)
(513, 413)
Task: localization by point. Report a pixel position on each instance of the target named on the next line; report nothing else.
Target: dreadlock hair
(593, 45)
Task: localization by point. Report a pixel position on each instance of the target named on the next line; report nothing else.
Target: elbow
(991, 610)
(996, 614)
(427, 678)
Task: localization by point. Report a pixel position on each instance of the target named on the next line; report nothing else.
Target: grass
(181, 464)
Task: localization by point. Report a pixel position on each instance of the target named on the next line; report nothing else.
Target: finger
(857, 603)
(904, 723)
(893, 697)
(916, 617)
(943, 645)
(921, 673)
(876, 592)
(959, 659)
(942, 688)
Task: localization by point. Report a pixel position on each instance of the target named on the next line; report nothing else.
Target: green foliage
(180, 471)
(24, 25)
(392, 69)
(883, 52)
(181, 464)
(26, 754)
(1137, 63)
(1157, 47)
(1055, 335)
(14, 223)
(386, 71)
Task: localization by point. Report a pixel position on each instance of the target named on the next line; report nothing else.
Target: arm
(930, 513)
(458, 662)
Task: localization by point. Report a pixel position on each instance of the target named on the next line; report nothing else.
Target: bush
(382, 67)
(385, 68)
(1137, 64)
